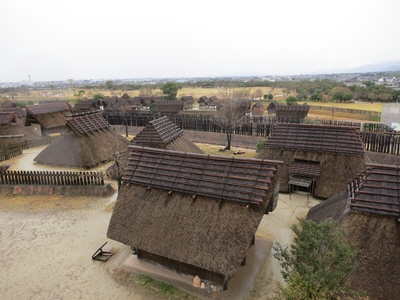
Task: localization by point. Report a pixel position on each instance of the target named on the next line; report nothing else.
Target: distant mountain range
(384, 67)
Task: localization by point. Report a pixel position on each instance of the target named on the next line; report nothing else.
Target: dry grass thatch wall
(336, 169)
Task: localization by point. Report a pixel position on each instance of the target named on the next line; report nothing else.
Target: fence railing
(14, 150)
(388, 143)
(52, 178)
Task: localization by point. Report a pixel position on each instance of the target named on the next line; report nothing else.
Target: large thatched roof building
(12, 133)
(369, 210)
(89, 143)
(162, 133)
(319, 159)
(192, 213)
(50, 116)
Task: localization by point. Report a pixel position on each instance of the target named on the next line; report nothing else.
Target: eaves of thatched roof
(377, 190)
(329, 139)
(88, 124)
(48, 108)
(18, 111)
(197, 209)
(159, 131)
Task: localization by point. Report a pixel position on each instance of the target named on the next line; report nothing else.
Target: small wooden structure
(50, 116)
(168, 106)
(19, 114)
(208, 103)
(271, 108)
(87, 105)
(192, 213)
(163, 134)
(257, 109)
(319, 159)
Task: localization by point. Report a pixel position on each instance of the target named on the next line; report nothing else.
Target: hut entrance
(303, 175)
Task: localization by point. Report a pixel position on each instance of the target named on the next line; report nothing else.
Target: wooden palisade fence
(52, 178)
(14, 150)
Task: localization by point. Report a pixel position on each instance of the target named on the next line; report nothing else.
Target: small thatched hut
(294, 111)
(163, 134)
(89, 143)
(188, 102)
(87, 105)
(272, 107)
(195, 214)
(19, 114)
(50, 116)
(257, 109)
(12, 133)
(168, 106)
(318, 159)
(369, 210)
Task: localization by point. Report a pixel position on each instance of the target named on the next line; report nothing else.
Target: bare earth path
(46, 245)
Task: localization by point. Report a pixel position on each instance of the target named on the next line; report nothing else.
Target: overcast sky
(85, 39)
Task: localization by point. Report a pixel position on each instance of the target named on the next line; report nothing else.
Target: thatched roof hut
(19, 114)
(87, 105)
(50, 116)
(257, 109)
(163, 134)
(192, 213)
(89, 143)
(272, 107)
(294, 111)
(12, 133)
(318, 159)
(370, 216)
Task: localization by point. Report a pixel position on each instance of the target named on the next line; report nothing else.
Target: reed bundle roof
(197, 209)
(49, 115)
(331, 139)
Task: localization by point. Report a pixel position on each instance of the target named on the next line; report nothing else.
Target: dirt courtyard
(46, 244)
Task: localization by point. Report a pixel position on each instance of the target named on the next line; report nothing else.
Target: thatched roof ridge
(159, 131)
(258, 105)
(48, 108)
(6, 118)
(87, 124)
(18, 111)
(293, 107)
(333, 139)
(377, 190)
(222, 178)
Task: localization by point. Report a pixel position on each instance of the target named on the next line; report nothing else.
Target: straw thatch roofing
(334, 139)
(49, 115)
(162, 133)
(377, 190)
(200, 174)
(159, 131)
(335, 153)
(170, 205)
(168, 105)
(18, 111)
(375, 234)
(90, 143)
(6, 118)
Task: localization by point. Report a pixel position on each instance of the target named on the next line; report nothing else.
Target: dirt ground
(46, 244)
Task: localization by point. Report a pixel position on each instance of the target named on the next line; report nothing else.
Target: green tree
(316, 264)
(270, 96)
(109, 85)
(98, 96)
(291, 100)
(170, 90)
